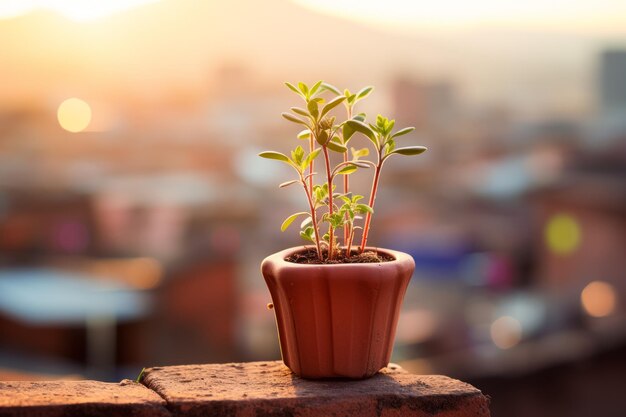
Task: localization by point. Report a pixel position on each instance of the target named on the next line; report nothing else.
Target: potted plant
(336, 302)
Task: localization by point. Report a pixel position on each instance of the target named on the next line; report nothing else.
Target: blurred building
(427, 105)
(612, 81)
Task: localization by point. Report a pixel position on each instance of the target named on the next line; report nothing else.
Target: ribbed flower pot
(337, 320)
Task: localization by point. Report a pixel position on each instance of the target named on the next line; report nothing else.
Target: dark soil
(309, 256)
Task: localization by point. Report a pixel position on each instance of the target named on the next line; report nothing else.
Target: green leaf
(294, 119)
(347, 170)
(322, 137)
(347, 132)
(308, 234)
(290, 220)
(332, 104)
(303, 87)
(402, 132)
(293, 88)
(331, 88)
(362, 128)
(300, 111)
(390, 145)
(360, 117)
(274, 155)
(336, 146)
(313, 109)
(356, 154)
(297, 155)
(288, 183)
(305, 134)
(336, 220)
(315, 87)
(319, 193)
(364, 208)
(381, 121)
(306, 222)
(365, 91)
(310, 157)
(410, 150)
(389, 126)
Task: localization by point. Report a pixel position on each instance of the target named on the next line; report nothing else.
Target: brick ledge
(246, 389)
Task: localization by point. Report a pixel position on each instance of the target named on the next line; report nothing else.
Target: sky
(537, 52)
(589, 16)
(79, 10)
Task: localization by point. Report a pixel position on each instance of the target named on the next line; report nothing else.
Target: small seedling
(338, 210)
(140, 376)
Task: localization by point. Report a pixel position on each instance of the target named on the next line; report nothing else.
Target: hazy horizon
(159, 49)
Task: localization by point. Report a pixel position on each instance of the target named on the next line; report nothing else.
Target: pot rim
(280, 258)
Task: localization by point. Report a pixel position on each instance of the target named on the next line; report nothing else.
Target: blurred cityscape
(134, 212)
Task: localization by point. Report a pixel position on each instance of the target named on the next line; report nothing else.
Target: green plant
(340, 211)
(140, 376)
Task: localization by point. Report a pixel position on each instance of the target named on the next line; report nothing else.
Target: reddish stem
(368, 217)
(346, 188)
(309, 197)
(347, 230)
(314, 219)
(311, 166)
(349, 244)
(331, 232)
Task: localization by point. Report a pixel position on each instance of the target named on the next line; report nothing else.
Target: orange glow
(419, 14)
(506, 332)
(78, 10)
(598, 299)
(74, 115)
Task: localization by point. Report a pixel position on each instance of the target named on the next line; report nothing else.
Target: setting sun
(74, 115)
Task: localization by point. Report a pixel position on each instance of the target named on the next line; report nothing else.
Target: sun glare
(78, 10)
(419, 14)
(74, 115)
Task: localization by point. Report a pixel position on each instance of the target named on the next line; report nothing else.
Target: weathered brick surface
(79, 398)
(270, 389)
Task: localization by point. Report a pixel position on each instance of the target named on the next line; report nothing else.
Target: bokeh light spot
(71, 236)
(74, 115)
(506, 332)
(562, 234)
(598, 299)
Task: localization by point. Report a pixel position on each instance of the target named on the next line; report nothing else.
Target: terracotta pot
(337, 320)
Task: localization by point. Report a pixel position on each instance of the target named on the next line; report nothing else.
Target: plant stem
(368, 217)
(349, 244)
(347, 232)
(311, 166)
(309, 198)
(346, 188)
(330, 202)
